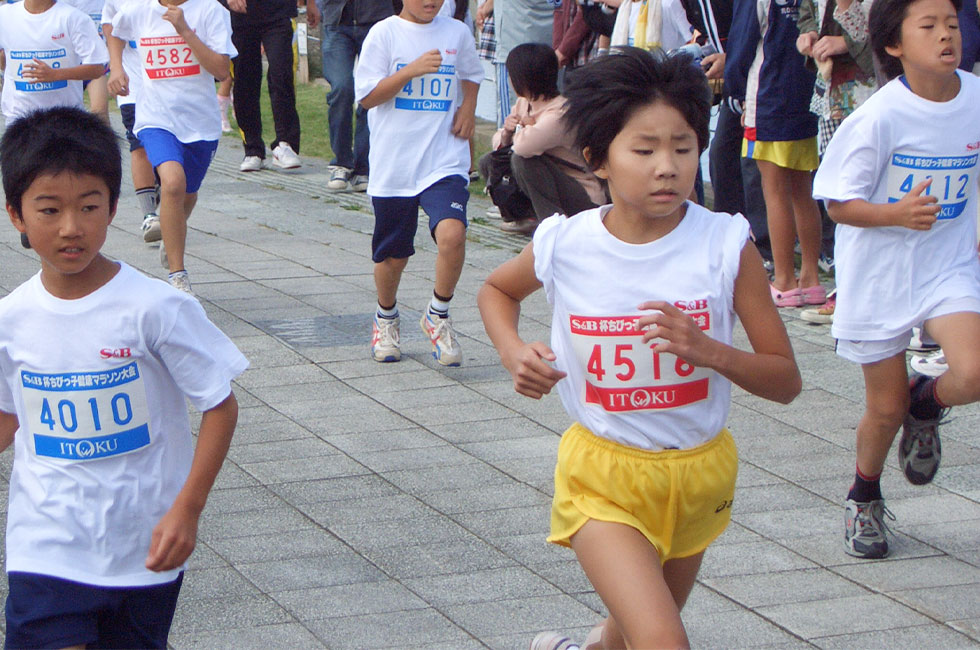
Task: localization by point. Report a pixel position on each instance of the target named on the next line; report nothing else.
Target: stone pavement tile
(475, 476)
(280, 545)
(893, 485)
(215, 526)
(392, 460)
(969, 627)
(537, 471)
(508, 582)
(781, 525)
(801, 470)
(935, 509)
(379, 508)
(488, 430)
(297, 469)
(782, 496)
(446, 397)
(439, 558)
(506, 522)
(368, 535)
(279, 429)
(309, 447)
(469, 412)
(736, 534)
(910, 638)
(402, 381)
(243, 289)
(959, 480)
(917, 573)
(411, 628)
(783, 587)
(274, 358)
(203, 615)
(300, 493)
(852, 613)
(283, 635)
(826, 548)
(242, 499)
(567, 574)
(354, 599)
(704, 601)
(340, 568)
(531, 549)
(763, 449)
(528, 615)
(362, 365)
(325, 388)
(750, 475)
(256, 415)
(376, 419)
(513, 495)
(308, 285)
(355, 444)
(270, 269)
(219, 582)
(811, 411)
(232, 476)
(544, 445)
(203, 557)
(751, 558)
(737, 628)
(945, 603)
(314, 409)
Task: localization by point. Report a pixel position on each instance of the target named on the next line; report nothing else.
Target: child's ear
(599, 171)
(15, 218)
(894, 50)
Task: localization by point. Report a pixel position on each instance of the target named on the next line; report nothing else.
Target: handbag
(514, 204)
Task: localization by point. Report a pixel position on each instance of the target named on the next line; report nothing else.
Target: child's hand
(428, 63)
(38, 70)
(714, 65)
(464, 123)
(175, 16)
(804, 43)
(527, 365)
(118, 83)
(915, 211)
(173, 539)
(681, 335)
(511, 122)
(829, 46)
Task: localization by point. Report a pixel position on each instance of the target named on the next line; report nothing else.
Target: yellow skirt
(800, 155)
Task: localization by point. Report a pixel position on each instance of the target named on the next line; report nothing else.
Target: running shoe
(339, 178)
(931, 365)
(919, 450)
(552, 641)
(865, 530)
(151, 228)
(359, 183)
(180, 281)
(284, 157)
(384, 340)
(445, 348)
(251, 164)
(917, 344)
(823, 314)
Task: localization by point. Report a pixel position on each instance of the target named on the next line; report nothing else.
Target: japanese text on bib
(430, 92)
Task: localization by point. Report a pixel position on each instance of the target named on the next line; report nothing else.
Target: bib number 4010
(65, 413)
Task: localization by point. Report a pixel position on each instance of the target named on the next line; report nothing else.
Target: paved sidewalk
(406, 505)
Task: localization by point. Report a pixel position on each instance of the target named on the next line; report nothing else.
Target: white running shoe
(284, 157)
(339, 178)
(151, 228)
(180, 281)
(251, 164)
(931, 365)
(445, 348)
(359, 183)
(384, 340)
(552, 641)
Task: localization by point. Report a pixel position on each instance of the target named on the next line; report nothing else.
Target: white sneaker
(384, 340)
(338, 179)
(359, 183)
(151, 228)
(180, 281)
(251, 164)
(933, 364)
(164, 262)
(284, 157)
(919, 344)
(445, 348)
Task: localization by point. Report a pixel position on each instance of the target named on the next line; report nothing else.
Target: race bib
(168, 57)
(430, 92)
(624, 374)
(79, 416)
(53, 58)
(951, 176)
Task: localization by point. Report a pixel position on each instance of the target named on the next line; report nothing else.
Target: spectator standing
(516, 22)
(345, 24)
(258, 24)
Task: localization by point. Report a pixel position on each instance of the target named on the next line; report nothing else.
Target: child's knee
(966, 375)
(888, 411)
(450, 235)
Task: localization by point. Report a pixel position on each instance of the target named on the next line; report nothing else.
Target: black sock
(924, 405)
(865, 488)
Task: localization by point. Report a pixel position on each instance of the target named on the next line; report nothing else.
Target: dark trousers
(340, 47)
(277, 38)
(550, 189)
(735, 180)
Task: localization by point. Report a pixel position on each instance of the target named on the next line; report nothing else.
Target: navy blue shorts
(396, 218)
(163, 146)
(48, 612)
(128, 112)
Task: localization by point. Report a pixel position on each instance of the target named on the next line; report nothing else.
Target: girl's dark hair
(604, 94)
(55, 140)
(885, 26)
(533, 69)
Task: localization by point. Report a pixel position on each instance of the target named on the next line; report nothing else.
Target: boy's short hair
(54, 140)
(533, 70)
(885, 26)
(603, 95)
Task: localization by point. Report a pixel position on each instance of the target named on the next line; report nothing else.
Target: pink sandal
(788, 298)
(815, 295)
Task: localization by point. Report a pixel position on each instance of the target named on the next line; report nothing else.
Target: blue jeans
(341, 44)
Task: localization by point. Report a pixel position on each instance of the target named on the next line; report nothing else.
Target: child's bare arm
(913, 211)
(8, 427)
(768, 371)
(38, 70)
(500, 306)
(118, 79)
(218, 65)
(464, 122)
(175, 536)
(388, 87)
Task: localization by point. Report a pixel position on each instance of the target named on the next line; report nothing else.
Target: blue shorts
(396, 218)
(163, 146)
(48, 612)
(128, 113)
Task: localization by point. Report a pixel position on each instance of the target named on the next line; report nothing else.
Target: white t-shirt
(890, 279)
(675, 29)
(98, 385)
(62, 37)
(91, 8)
(130, 57)
(177, 93)
(448, 8)
(412, 145)
(616, 386)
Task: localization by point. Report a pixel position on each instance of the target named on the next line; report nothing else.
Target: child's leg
(387, 277)
(808, 226)
(450, 236)
(643, 598)
(959, 336)
(173, 218)
(782, 225)
(886, 387)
